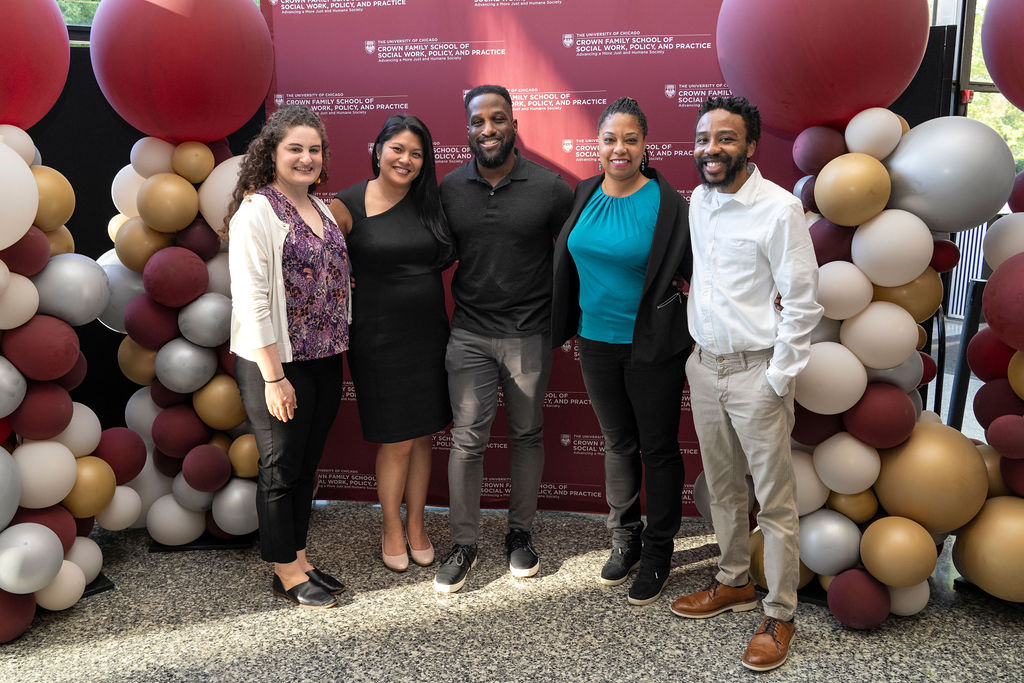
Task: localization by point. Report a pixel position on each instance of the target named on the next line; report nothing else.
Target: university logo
(567, 346)
(670, 90)
(273, 2)
(369, 46)
(278, 99)
(567, 39)
(566, 439)
(567, 145)
(369, 148)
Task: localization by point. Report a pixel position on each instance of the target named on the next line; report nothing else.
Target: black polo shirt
(504, 236)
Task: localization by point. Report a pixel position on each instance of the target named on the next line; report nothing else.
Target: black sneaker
(454, 568)
(620, 564)
(522, 558)
(647, 585)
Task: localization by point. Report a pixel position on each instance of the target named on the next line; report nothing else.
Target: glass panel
(945, 12)
(996, 111)
(979, 74)
(78, 12)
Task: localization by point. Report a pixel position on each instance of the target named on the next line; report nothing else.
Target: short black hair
(486, 90)
(624, 105)
(736, 105)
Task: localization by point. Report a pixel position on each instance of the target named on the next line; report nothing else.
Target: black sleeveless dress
(399, 325)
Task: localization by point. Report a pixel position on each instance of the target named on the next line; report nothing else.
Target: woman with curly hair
(289, 326)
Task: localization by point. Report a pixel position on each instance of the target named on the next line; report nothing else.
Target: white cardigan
(255, 247)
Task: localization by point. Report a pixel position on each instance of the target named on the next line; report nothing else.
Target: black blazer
(660, 331)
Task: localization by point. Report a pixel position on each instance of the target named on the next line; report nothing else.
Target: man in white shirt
(750, 244)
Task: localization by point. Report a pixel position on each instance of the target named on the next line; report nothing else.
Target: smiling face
(721, 150)
(620, 146)
(298, 159)
(401, 158)
(491, 129)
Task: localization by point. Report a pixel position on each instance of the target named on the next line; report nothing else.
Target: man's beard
(496, 158)
(732, 169)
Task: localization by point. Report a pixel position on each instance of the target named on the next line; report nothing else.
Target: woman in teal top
(624, 243)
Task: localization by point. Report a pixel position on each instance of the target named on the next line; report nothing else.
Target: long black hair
(424, 186)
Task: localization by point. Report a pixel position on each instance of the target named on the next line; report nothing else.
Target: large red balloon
(1003, 302)
(35, 53)
(1002, 47)
(812, 63)
(182, 70)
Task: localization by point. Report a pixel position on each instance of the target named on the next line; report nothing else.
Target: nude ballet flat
(396, 563)
(423, 558)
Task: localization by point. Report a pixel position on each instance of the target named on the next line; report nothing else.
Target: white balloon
(907, 375)
(12, 388)
(18, 302)
(19, 197)
(151, 485)
(124, 509)
(82, 435)
(811, 494)
(832, 381)
(86, 553)
(234, 507)
(929, 416)
(843, 290)
(47, 470)
(150, 156)
(10, 487)
(829, 542)
(881, 336)
(124, 191)
(846, 464)
(909, 600)
(1003, 239)
(220, 276)
(892, 248)
(215, 192)
(171, 524)
(139, 413)
(18, 140)
(874, 131)
(65, 590)
(125, 285)
(30, 557)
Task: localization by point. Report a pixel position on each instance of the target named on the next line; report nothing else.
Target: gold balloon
(93, 489)
(61, 241)
(114, 224)
(756, 541)
(244, 456)
(859, 507)
(193, 161)
(904, 126)
(920, 297)
(825, 581)
(922, 338)
(218, 403)
(167, 202)
(989, 551)
(136, 242)
(221, 441)
(898, 551)
(56, 198)
(936, 477)
(996, 485)
(852, 188)
(1015, 373)
(137, 363)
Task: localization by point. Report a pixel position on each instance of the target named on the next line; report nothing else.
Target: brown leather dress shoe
(769, 647)
(715, 599)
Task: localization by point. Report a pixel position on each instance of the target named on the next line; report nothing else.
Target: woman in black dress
(398, 241)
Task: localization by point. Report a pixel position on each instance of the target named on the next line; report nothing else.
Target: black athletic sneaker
(522, 558)
(621, 562)
(647, 585)
(454, 568)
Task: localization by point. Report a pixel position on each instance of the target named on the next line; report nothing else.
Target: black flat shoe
(325, 581)
(306, 594)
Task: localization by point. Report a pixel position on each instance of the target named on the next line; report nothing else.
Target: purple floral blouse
(316, 277)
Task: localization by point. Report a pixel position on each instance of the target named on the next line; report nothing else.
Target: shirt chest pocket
(736, 262)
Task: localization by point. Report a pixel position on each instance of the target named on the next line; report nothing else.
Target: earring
(599, 167)
(645, 160)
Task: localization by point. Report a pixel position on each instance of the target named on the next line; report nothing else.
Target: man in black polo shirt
(504, 212)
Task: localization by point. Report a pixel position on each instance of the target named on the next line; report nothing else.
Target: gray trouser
(743, 424)
(477, 366)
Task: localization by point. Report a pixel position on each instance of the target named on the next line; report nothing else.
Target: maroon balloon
(1002, 49)
(987, 355)
(226, 359)
(84, 526)
(928, 369)
(995, 399)
(1016, 201)
(215, 530)
(811, 428)
(149, 323)
(177, 430)
(125, 452)
(807, 195)
(1012, 470)
(44, 413)
(5, 429)
(16, 614)
(1003, 301)
(56, 518)
(76, 375)
(175, 276)
(1006, 435)
(44, 348)
(28, 255)
(199, 238)
(831, 242)
(884, 416)
(36, 54)
(816, 146)
(945, 256)
(165, 464)
(206, 468)
(164, 397)
(858, 600)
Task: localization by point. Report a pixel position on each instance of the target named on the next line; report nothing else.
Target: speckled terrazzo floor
(209, 615)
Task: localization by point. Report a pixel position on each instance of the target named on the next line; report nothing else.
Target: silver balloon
(220, 276)
(184, 367)
(30, 557)
(952, 172)
(151, 485)
(125, 285)
(72, 287)
(826, 330)
(915, 398)
(234, 507)
(10, 487)
(207, 320)
(188, 497)
(829, 542)
(12, 387)
(139, 413)
(907, 375)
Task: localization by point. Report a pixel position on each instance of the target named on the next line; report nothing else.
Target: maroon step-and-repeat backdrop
(356, 62)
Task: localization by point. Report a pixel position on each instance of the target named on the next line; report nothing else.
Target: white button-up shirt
(747, 248)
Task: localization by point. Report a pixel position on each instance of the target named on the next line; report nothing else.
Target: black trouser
(289, 451)
(638, 408)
